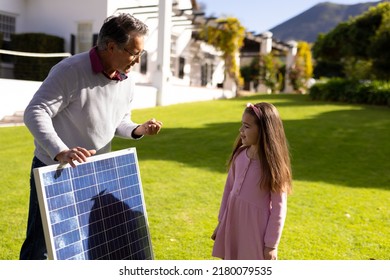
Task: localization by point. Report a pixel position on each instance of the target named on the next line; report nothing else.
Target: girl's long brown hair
(276, 174)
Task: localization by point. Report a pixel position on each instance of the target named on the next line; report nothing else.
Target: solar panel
(95, 210)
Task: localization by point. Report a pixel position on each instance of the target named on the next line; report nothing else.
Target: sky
(262, 15)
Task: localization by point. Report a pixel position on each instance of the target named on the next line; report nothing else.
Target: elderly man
(83, 103)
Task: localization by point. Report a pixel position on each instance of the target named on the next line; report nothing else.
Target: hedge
(352, 91)
(33, 68)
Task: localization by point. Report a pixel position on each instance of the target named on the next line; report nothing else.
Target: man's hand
(150, 127)
(79, 154)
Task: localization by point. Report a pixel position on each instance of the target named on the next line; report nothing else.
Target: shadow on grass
(346, 147)
(206, 148)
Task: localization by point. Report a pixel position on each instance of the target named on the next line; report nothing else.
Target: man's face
(129, 55)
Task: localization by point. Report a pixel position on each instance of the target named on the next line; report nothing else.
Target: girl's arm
(226, 192)
(225, 196)
(276, 220)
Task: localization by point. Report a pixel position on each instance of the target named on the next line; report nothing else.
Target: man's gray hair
(120, 29)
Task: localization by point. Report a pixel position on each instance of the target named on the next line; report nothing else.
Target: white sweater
(77, 107)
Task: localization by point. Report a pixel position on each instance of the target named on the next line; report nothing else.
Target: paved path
(14, 120)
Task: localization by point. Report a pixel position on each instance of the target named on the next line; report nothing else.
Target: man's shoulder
(74, 62)
(80, 57)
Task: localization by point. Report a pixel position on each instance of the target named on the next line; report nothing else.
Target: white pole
(163, 50)
(265, 49)
(290, 60)
(266, 43)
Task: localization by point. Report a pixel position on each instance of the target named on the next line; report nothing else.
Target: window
(144, 63)
(181, 67)
(84, 37)
(7, 26)
(173, 56)
(203, 74)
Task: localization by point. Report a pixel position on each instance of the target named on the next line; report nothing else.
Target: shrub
(32, 68)
(352, 91)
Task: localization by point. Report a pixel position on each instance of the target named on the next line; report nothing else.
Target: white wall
(15, 8)
(16, 94)
(60, 18)
(11, 6)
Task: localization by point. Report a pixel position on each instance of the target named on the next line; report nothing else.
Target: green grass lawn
(339, 209)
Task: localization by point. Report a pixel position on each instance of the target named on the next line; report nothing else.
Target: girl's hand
(270, 253)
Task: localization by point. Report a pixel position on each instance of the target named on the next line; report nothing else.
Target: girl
(254, 203)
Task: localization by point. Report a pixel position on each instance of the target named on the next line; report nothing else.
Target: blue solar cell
(96, 210)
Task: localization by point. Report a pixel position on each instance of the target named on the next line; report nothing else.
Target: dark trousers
(34, 246)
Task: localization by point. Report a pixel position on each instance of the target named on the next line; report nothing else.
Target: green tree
(302, 69)
(379, 50)
(250, 73)
(227, 36)
(362, 41)
(270, 72)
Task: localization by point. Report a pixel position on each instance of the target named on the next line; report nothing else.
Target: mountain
(321, 18)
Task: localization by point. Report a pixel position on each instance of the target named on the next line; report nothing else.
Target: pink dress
(249, 217)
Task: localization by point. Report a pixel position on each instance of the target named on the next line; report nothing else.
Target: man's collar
(97, 66)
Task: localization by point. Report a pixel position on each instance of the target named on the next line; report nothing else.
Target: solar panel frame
(96, 210)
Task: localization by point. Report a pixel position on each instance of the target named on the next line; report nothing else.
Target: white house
(176, 68)
(78, 23)
(164, 71)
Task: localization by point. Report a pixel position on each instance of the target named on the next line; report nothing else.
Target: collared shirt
(97, 66)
